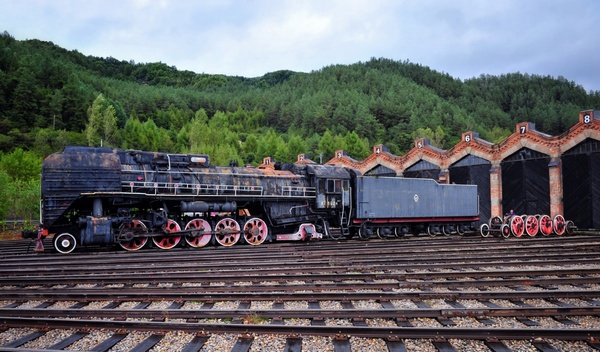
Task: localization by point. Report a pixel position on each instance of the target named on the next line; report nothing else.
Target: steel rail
(192, 294)
(319, 250)
(301, 313)
(267, 275)
(443, 244)
(332, 265)
(340, 286)
(358, 331)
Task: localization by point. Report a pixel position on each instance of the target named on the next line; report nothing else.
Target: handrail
(157, 188)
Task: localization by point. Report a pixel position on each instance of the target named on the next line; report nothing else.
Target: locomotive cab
(332, 185)
(333, 193)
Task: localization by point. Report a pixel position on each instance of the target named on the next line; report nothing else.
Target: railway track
(417, 294)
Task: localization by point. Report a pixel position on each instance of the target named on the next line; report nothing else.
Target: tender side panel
(66, 175)
(397, 197)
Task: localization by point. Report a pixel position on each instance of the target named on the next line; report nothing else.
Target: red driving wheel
(517, 226)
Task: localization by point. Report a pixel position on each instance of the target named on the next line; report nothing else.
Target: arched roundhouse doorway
(473, 170)
(581, 184)
(525, 182)
(423, 169)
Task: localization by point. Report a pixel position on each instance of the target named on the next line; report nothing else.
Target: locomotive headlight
(416, 198)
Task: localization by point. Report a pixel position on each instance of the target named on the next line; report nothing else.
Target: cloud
(464, 38)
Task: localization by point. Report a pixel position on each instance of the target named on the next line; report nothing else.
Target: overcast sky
(464, 38)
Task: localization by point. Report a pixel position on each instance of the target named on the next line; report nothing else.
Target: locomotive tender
(104, 196)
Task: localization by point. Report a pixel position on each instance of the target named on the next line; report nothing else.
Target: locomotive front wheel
(517, 226)
(200, 240)
(65, 243)
(532, 226)
(545, 225)
(484, 230)
(227, 232)
(168, 242)
(558, 223)
(136, 242)
(255, 231)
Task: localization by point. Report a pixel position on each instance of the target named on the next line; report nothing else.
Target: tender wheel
(505, 231)
(384, 232)
(459, 230)
(363, 232)
(532, 226)
(447, 230)
(65, 243)
(227, 232)
(204, 233)
(168, 242)
(558, 223)
(545, 225)
(135, 243)
(255, 231)
(430, 231)
(484, 230)
(517, 226)
(401, 231)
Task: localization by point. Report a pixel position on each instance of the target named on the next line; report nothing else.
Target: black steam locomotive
(103, 196)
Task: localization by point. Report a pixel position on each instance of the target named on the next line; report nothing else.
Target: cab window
(334, 186)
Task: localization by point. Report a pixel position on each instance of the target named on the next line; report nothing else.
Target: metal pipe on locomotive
(103, 196)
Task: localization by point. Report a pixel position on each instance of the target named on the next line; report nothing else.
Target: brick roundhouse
(529, 172)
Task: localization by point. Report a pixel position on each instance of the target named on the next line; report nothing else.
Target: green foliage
(6, 190)
(23, 198)
(102, 126)
(356, 147)
(436, 137)
(21, 165)
(327, 146)
(19, 185)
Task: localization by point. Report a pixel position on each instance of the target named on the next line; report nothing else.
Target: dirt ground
(10, 235)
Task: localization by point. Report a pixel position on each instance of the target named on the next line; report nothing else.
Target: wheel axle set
(532, 225)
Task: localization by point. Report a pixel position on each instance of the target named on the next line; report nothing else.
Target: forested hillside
(51, 97)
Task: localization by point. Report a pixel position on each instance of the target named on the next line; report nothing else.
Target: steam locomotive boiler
(103, 196)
